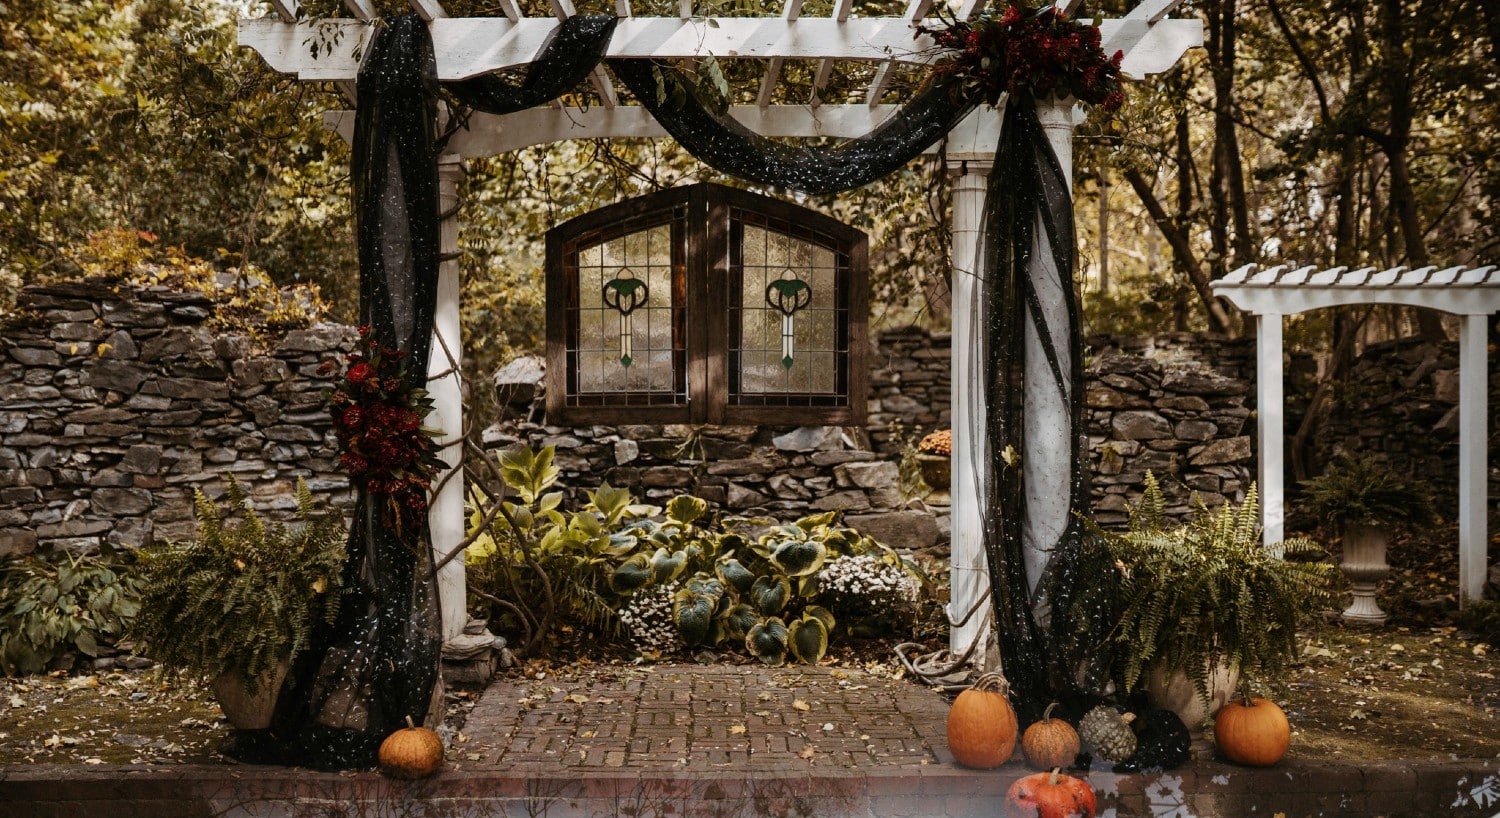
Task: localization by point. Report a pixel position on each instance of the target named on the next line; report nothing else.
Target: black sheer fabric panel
(378, 664)
(720, 141)
(564, 61)
(1027, 189)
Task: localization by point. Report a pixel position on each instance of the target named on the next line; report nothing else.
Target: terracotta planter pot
(1365, 566)
(244, 710)
(1175, 692)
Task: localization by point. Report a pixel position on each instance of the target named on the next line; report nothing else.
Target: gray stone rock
(667, 477)
(1141, 425)
(292, 434)
(193, 389)
(808, 439)
(233, 346)
(851, 500)
(141, 459)
(519, 382)
(907, 530)
(834, 458)
(626, 451)
(786, 487)
(467, 646)
(131, 532)
(73, 528)
(317, 338)
(1202, 382)
(740, 497)
(762, 464)
(121, 502)
(1230, 450)
(870, 475)
(33, 356)
(17, 541)
(1195, 430)
(251, 371)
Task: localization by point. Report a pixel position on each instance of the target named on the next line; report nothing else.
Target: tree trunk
(1182, 251)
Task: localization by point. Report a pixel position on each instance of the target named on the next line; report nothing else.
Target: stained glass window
(709, 305)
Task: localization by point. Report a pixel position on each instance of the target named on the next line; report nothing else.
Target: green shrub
(53, 603)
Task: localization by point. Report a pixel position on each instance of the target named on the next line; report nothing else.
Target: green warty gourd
(1106, 732)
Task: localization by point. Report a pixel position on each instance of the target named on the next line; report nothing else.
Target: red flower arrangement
(1037, 51)
(377, 416)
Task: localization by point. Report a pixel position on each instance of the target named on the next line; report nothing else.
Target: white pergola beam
(469, 47)
(363, 10)
(1473, 454)
(428, 10)
(490, 135)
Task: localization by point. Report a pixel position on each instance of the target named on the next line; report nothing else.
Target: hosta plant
(53, 603)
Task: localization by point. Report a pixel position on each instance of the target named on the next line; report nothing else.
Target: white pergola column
(1269, 410)
(968, 569)
(1046, 459)
(1473, 470)
(445, 516)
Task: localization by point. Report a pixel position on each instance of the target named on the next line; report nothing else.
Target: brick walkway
(717, 741)
(705, 717)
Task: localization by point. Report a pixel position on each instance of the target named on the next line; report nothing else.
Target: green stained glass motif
(787, 295)
(625, 294)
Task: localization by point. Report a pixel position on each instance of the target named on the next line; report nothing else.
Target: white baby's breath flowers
(867, 576)
(648, 618)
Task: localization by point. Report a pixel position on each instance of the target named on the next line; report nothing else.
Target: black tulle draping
(1028, 213)
(723, 143)
(565, 60)
(377, 664)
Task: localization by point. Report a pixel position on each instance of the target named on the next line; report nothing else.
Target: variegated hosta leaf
(809, 639)
(701, 583)
(770, 594)
(735, 575)
(695, 617)
(686, 508)
(666, 565)
(767, 641)
(739, 620)
(820, 613)
(799, 558)
(816, 521)
(631, 574)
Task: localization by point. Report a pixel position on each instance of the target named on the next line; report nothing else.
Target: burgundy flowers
(1029, 51)
(377, 416)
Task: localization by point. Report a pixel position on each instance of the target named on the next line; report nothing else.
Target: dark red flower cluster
(377, 415)
(1037, 51)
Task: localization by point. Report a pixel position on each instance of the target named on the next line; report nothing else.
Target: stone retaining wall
(1162, 403)
(115, 406)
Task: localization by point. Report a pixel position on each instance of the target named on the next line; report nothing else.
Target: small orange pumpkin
(411, 752)
(982, 724)
(1252, 731)
(1050, 795)
(1050, 743)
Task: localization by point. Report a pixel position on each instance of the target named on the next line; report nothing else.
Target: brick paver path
(706, 717)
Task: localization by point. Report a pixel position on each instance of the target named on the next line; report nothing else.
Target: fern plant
(1360, 490)
(246, 595)
(1190, 597)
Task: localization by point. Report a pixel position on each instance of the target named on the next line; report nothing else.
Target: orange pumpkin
(411, 752)
(982, 724)
(1050, 795)
(1050, 743)
(1252, 731)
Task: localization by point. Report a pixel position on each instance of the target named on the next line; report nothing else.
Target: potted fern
(1204, 602)
(1365, 503)
(235, 606)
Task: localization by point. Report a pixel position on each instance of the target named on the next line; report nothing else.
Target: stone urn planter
(1364, 564)
(937, 473)
(244, 709)
(1174, 691)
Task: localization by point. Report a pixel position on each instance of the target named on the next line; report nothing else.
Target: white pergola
(1472, 293)
(470, 47)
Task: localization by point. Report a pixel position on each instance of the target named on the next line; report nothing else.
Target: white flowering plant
(648, 619)
(869, 589)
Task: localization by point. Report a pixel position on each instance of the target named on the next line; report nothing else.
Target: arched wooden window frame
(707, 224)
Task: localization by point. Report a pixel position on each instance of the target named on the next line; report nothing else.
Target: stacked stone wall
(115, 405)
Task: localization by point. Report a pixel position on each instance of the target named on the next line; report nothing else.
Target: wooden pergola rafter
(470, 47)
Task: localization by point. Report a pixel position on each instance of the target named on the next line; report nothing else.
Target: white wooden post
(968, 569)
(1473, 440)
(1046, 459)
(446, 515)
(1269, 407)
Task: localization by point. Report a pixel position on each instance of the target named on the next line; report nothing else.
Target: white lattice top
(1285, 289)
(472, 46)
